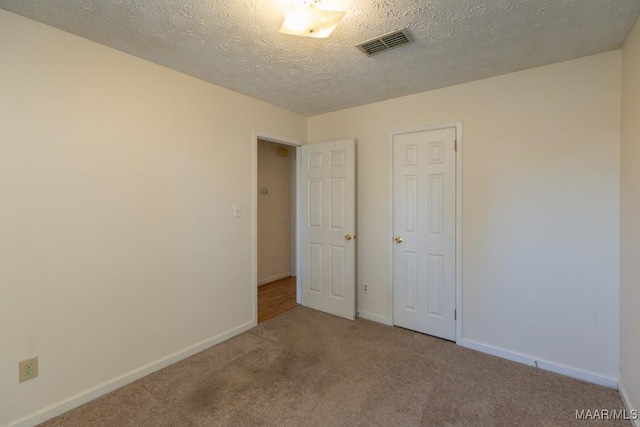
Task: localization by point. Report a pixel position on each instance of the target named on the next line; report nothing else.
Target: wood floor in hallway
(276, 298)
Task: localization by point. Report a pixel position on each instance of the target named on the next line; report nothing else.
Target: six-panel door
(424, 226)
(327, 230)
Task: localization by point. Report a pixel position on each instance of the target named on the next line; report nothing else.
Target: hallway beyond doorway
(276, 298)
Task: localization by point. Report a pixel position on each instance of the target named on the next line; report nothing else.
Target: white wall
(274, 213)
(630, 221)
(540, 215)
(117, 242)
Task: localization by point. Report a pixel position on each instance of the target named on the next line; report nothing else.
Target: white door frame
(254, 212)
(458, 127)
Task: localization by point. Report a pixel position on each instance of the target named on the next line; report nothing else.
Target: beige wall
(540, 207)
(274, 213)
(630, 220)
(118, 248)
(117, 180)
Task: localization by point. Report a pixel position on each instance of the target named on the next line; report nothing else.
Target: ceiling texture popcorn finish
(236, 43)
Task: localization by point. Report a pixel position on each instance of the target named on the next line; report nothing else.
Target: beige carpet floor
(306, 368)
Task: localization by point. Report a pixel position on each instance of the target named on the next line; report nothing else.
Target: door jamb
(459, 288)
(254, 212)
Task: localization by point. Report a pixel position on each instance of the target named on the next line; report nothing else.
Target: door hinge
(455, 314)
(455, 145)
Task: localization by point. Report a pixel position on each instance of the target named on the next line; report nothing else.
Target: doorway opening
(321, 223)
(276, 223)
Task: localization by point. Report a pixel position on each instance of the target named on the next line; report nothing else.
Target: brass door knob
(349, 237)
(398, 239)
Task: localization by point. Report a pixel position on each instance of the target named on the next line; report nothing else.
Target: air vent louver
(385, 42)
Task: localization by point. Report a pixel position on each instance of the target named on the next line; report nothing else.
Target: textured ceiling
(236, 44)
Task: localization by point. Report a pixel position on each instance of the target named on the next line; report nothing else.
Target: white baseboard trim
(627, 404)
(496, 351)
(526, 359)
(374, 317)
(273, 278)
(124, 379)
(581, 374)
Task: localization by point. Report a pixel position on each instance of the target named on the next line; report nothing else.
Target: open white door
(327, 227)
(424, 227)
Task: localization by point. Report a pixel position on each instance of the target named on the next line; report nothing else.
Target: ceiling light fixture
(308, 20)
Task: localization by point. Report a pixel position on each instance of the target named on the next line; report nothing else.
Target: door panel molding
(434, 157)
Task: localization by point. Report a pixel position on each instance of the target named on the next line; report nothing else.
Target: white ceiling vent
(385, 42)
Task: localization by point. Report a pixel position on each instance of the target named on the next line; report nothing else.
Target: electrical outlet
(27, 369)
(365, 288)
